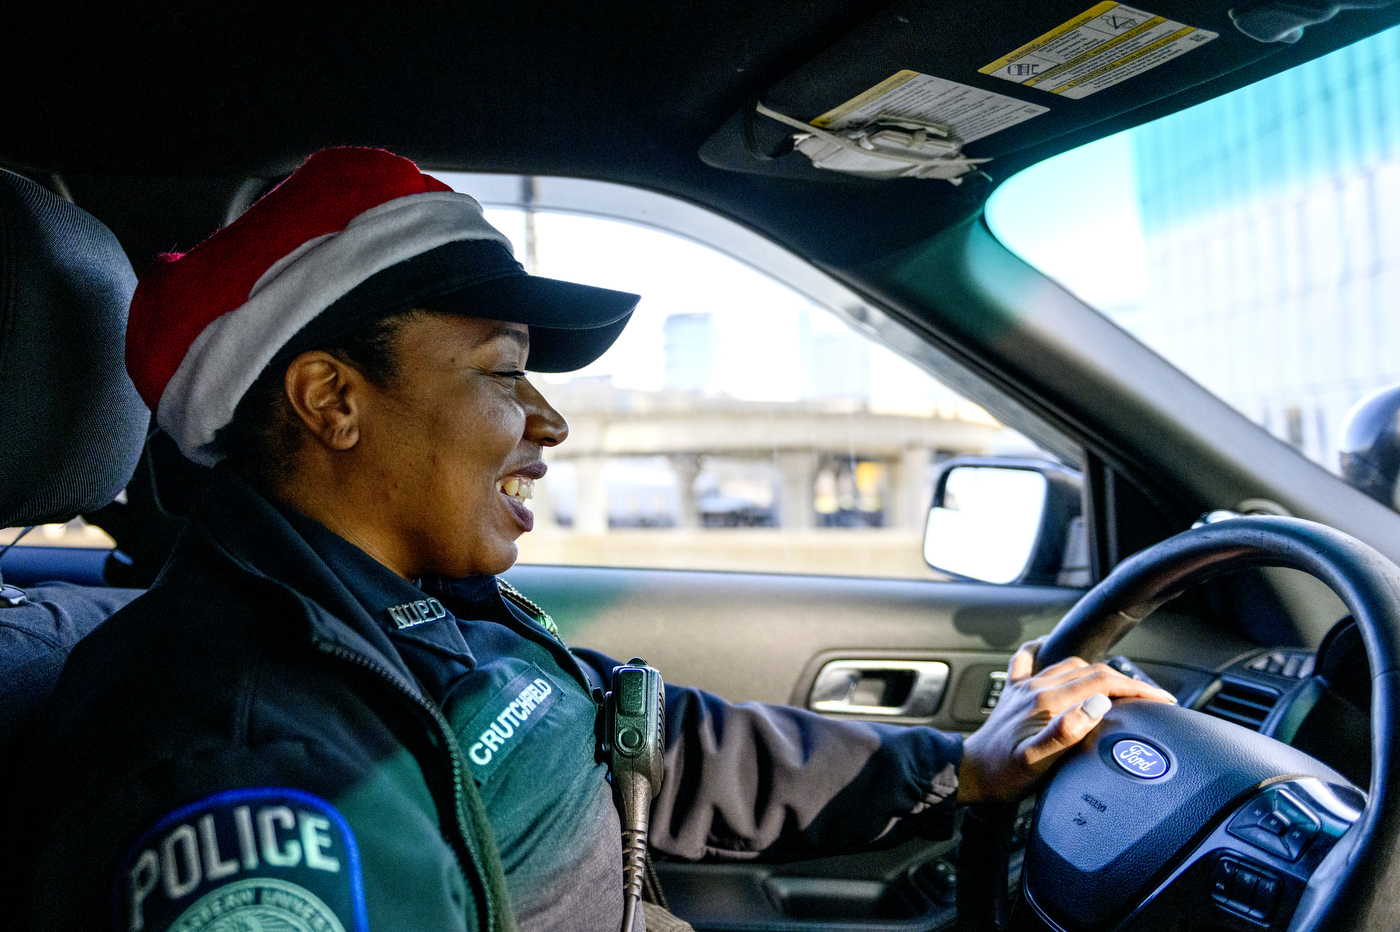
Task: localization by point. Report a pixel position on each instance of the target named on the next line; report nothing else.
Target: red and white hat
(351, 237)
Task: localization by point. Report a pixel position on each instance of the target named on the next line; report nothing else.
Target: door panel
(757, 637)
(767, 637)
(752, 637)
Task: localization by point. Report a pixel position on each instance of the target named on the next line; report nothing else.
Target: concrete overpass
(795, 437)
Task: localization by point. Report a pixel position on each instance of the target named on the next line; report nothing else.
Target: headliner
(154, 118)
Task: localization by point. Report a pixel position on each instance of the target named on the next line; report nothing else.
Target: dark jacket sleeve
(774, 782)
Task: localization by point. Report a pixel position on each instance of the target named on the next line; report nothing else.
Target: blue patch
(501, 724)
(1139, 758)
(259, 858)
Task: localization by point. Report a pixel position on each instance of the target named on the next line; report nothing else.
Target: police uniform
(283, 734)
(283, 728)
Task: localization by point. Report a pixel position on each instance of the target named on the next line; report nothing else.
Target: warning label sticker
(1097, 49)
(969, 112)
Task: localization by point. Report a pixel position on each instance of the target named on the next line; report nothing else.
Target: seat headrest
(71, 423)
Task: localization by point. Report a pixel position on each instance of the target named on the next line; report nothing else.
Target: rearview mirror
(1003, 521)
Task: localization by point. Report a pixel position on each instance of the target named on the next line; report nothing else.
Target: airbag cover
(1102, 837)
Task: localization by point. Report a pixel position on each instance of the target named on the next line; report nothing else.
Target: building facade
(1271, 219)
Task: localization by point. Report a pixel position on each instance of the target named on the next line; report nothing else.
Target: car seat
(71, 423)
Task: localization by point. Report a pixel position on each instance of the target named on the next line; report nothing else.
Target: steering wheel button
(1265, 896)
(1242, 889)
(1291, 810)
(1275, 823)
(1297, 839)
(1261, 839)
(1253, 814)
(1221, 878)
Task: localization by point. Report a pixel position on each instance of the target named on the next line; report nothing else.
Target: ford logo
(1139, 758)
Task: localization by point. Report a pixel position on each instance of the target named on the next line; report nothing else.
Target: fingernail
(1097, 705)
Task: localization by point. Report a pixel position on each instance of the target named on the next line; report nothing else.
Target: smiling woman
(341, 646)
(738, 423)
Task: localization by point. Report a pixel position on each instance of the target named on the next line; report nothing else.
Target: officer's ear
(326, 393)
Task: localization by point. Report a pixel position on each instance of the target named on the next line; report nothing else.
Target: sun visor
(928, 90)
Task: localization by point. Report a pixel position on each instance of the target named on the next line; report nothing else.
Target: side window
(736, 424)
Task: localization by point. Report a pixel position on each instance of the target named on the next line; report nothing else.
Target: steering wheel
(1169, 818)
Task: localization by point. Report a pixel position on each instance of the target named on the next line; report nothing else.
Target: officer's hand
(1036, 720)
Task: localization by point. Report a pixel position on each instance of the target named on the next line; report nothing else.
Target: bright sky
(1075, 217)
(757, 353)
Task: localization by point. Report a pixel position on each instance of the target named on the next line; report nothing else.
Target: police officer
(328, 713)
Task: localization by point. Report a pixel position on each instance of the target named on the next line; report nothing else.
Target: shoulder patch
(278, 860)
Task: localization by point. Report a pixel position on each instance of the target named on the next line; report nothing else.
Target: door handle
(880, 688)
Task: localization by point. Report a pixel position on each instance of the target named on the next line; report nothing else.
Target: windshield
(1253, 240)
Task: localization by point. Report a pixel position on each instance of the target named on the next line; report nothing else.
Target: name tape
(498, 729)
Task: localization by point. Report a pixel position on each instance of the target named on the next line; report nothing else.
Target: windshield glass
(1253, 240)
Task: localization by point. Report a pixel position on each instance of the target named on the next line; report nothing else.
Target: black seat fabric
(71, 423)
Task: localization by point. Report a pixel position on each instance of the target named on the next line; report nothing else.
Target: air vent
(1241, 703)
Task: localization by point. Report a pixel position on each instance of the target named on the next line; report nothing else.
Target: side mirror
(1008, 520)
(1370, 449)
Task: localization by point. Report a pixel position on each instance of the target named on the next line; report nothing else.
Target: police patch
(497, 729)
(269, 859)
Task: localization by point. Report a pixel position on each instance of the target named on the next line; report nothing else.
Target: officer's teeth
(518, 487)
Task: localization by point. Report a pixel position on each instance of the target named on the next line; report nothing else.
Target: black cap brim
(571, 325)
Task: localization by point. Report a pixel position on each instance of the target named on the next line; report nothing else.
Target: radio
(635, 712)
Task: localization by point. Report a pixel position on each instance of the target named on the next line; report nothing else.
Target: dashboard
(1317, 702)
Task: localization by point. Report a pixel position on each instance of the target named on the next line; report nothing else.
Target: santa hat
(351, 237)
